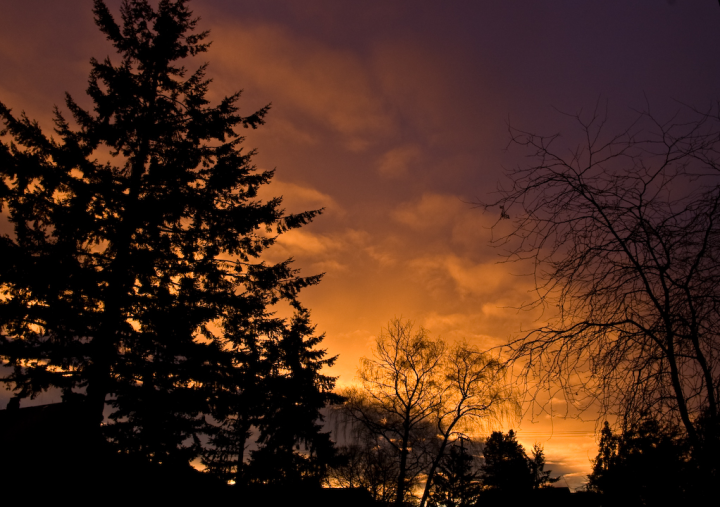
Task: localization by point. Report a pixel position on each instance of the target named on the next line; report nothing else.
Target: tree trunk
(243, 427)
(118, 284)
(403, 465)
(433, 468)
(679, 395)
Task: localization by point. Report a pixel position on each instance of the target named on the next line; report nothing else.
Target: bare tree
(400, 394)
(417, 393)
(370, 464)
(623, 231)
(475, 394)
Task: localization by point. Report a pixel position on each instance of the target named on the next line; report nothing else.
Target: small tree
(505, 468)
(540, 477)
(605, 459)
(370, 464)
(293, 449)
(457, 482)
(509, 470)
(418, 393)
(279, 392)
(645, 465)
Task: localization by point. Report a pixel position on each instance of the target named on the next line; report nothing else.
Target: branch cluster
(418, 394)
(623, 231)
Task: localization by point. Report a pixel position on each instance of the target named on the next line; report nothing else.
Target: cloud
(331, 253)
(301, 242)
(469, 325)
(330, 266)
(298, 198)
(286, 129)
(468, 278)
(459, 225)
(382, 255)
(430, 211)
(306, 80)
(398, 161)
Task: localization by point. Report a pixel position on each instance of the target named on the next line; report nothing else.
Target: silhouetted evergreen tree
(277, 391)
(457, 484)
(505, 465)
(132, 277)
(507, 468)
(605, 459)
(540, 477)
(293, 449)
(645, 465)
(237, 398)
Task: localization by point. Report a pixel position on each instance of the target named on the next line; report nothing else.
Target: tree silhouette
(505, 466)
(370, 463)
(418, 393)
(295, 392)
(623, 233)
(457, 483)
(605, 459)
(645, 465)
(540, 477)
(133, 275)
(509, 470)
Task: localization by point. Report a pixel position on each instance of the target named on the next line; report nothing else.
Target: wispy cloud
(306, 79)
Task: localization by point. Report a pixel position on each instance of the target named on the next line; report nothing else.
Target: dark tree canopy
(134, 273)
(508, 469)
(648, 464)
(457, 482)
(371, 464)
(294, 394)
(505, 466)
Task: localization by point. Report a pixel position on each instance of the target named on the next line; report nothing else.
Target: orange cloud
(305, 79)
(398, 161)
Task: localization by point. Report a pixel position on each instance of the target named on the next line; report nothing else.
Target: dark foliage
(508, 469)
(649, 464)
(505, 466)
(295, 392)
(370, 464)
(134, 277)
(457, 482)
(50, 452)
(277, 392)
(540, 477)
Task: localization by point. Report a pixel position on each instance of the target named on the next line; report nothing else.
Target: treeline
(653, 463)
(469, 472)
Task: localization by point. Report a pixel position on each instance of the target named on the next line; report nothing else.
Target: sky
(393, 115)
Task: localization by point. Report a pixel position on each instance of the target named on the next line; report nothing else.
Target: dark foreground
(47, 454)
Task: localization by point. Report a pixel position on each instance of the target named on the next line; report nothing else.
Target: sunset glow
(392, 116)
